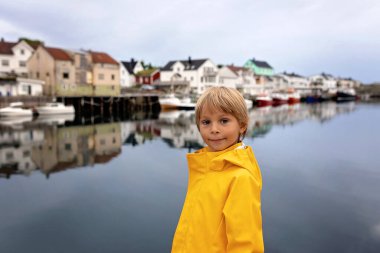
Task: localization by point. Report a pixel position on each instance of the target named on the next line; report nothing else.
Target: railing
(87, 90)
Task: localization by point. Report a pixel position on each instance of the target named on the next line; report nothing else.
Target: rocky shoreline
(369, 91)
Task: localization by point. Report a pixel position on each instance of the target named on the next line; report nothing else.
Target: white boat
(60, 119)
(16, 109)
(170, 102)
(248, 103)
(55, 108)
(16, 122)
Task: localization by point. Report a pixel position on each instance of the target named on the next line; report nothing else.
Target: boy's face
(219, 130)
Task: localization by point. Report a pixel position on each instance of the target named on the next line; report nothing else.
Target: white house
(198, 74)
(13, 57)
(348, 83)
(21, 87)
(323, 81)
(246, 81)
(227, 77)
(296, 81)
(128, 70)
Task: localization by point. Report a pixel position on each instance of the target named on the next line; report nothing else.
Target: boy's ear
(243, 128)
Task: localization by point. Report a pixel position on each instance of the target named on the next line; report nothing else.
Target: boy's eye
(224, 121)
(205, 122)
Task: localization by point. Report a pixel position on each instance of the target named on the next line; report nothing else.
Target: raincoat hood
(238, 155)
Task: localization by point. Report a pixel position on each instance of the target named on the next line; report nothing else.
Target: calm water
(120, 186)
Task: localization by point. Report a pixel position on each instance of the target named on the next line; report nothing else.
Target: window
(102, 142)
(25, 88)
(22, 63)
(47, 74)
(68, 146)
(5, 62)
(65, 75)
(22, 51)
(112, 77)
(37, 74)
(26, 153)
(101, 76)
(9, 156)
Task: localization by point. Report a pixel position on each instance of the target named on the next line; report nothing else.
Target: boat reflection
(51, 145)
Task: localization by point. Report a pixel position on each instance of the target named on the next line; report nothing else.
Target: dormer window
(5, 62)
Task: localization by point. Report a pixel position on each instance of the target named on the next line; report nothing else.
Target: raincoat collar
(203, 160)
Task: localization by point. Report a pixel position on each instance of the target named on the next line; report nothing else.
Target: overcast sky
(340, 37)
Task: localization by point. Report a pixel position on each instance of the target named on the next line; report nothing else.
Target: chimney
(132, 60)
(189, 60)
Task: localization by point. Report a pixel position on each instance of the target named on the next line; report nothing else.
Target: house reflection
(77, 146)
(16, 150)
(51, 148)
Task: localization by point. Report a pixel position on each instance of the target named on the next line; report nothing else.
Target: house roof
(189, 64)
(129, 65)
(6, 47)
(58, 54)
(327, 76)
(33, 44)
(261, 64)
(236, 69)
(100, 57)
(293, 75)
(147, 72)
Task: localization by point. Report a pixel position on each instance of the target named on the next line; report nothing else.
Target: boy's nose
(214, 128)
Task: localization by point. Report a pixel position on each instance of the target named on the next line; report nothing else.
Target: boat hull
(262, 103)
(5, 112)
(55, 108)
(49, 111)
(342, 96)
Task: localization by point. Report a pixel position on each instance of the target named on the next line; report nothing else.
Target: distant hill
(372, 89)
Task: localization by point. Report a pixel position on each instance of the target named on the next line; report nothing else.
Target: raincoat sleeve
(242, 213)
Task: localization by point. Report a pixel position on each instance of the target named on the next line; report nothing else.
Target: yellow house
(54, 66)
(104, 74)
(75, 73)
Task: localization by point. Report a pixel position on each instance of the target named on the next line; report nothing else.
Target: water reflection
(52, 145)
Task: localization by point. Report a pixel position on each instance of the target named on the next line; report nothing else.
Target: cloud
(296, 35)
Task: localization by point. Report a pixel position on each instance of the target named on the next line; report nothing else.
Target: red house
(148, 76)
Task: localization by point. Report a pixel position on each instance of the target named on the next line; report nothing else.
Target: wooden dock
(100, 106)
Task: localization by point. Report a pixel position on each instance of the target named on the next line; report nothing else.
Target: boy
(222, 210)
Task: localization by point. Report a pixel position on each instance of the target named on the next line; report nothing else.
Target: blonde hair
(225, 99)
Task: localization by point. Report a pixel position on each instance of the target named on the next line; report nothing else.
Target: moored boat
(345, 95)
(279, 98)
(171, 102)
(16, 109)
(294, 98)
(55, 108)
(248, 103)
(263, 100)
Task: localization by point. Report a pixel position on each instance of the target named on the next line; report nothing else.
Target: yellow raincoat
(222, 210)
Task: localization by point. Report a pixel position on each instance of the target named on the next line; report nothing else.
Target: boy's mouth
(216, 139)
